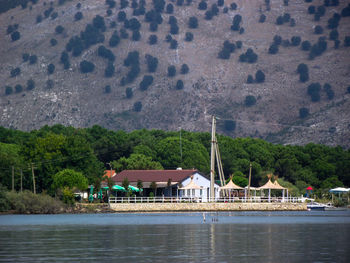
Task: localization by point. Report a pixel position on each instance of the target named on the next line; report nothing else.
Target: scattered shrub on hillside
(18, 88)
(65, 60)
(107, 89)
(250, 79)
(8, 90)
(303, 71)
(259, 76)
(179, 84)
(173, 44)
(262, 18)
(30, 84)
(15, 36)
(279, 20)
(146, 82)
(328, 89)
(233, 6)
(104, 52)
(229, 125)
(221, 2)
(336, 43)
(347, 41)
(193, 22)
(54, 15)
(152, 40)
(333, 35)
(39, 19)
(348, 89)
(277, 40)
(179, 2)
(78, 16)
(184, 69)
(110, 69)
(239, 44)
(169, 8)
(153, 26)
(138, 106)
(249, 56)
(15, 72)
(152, 63)
(303, 113)
(202, 5)
(273, 49)
(237, 19)
(318, 30)
(25, 57)
(208, 15)
(345, 11)
(314, 91)
(99, 23)
(33, 59)
(250, 100)
(174, 29)
(53, 42)
(121, 16)
(305, 45)
(171, 71)
(128, 93)
(318, 48)
(86, 66)
(136, 35)
(292, 22)
(295, 40)
(50, 69)
(188, 36)
(114, 40)
(59, 29)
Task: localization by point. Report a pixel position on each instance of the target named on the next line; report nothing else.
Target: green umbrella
(133, 188)
(118, 188)
(99, 195)
(105, 188)
(91, 190)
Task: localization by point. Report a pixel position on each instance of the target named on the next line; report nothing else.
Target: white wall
(201, 181)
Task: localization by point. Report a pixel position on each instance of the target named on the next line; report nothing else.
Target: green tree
(136, 162)
(69, 178)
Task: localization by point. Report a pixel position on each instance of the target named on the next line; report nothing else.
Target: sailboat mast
(212, 158)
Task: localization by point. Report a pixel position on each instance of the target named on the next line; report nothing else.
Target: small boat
(316, 206)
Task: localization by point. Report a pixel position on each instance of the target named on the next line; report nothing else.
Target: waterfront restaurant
(169, 183)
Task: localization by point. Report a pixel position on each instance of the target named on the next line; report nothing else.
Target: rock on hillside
(232, 39)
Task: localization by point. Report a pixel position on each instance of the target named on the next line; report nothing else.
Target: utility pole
(250, 178)
(13, 178)
(21, 180)
(180, 147)
(212, 159)
(34, 190)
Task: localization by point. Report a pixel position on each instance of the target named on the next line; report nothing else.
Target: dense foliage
(54, 149)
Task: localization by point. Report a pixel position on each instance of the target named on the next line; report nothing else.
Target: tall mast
(212, 158)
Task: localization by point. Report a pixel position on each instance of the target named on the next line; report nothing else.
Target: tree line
(90, 151)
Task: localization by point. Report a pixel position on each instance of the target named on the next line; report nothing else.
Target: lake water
(322, 236)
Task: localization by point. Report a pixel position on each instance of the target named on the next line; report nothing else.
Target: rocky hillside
(274, 69)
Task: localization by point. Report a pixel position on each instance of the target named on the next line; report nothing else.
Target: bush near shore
(29, 203)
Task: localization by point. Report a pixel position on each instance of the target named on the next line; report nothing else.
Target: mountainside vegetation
(272, 69)
(65, 158)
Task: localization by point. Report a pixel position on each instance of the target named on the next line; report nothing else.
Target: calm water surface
(177, 237)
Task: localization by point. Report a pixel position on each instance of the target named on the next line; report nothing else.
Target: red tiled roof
(108, 173)
(153, 175)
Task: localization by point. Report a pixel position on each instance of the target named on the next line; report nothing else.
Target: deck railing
(161, 199)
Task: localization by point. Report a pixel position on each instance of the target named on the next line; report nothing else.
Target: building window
(201, 192)
(193, 192)
(188, 192)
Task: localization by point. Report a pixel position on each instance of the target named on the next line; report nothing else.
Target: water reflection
(221, 241)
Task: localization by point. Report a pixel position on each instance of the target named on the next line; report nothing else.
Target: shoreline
(206, 207)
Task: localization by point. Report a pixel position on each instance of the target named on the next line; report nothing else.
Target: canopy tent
(274, 186)
(229, 187)
(118, 188)
(133, 188)
(191, 186)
